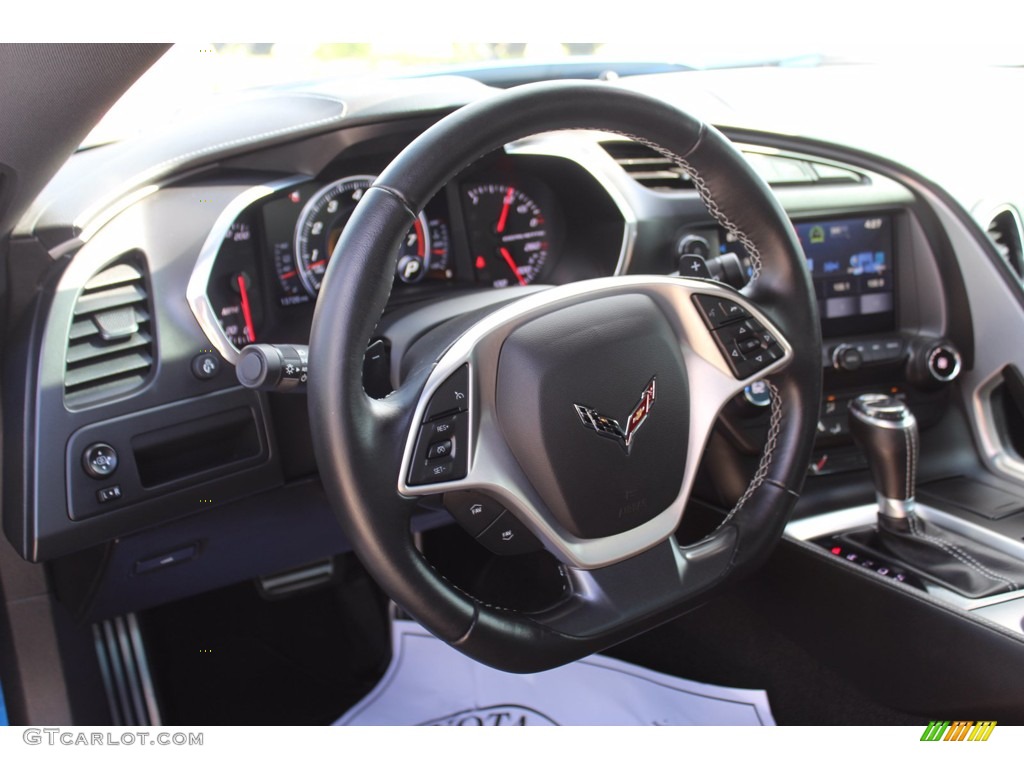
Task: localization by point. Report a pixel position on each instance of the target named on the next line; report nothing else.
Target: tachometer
(507, 232)
(321, 223)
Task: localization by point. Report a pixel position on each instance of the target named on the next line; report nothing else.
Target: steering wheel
(580, 413)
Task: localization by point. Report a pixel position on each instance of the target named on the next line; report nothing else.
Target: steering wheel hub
(593, 401)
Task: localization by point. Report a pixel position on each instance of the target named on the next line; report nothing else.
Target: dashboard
(173, 479)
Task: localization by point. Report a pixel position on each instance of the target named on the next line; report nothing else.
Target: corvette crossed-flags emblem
(610, 428)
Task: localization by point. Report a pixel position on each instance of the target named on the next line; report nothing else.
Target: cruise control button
(439, 471)
(438, 450)
(452, 395)
(440, 429)
(473, 510)
(508, 536)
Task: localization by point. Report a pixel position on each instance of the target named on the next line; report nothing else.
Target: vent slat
(92, 349)
(115, 275)
(647, 166)
(81, 329)
(104, 389)
(107, 369)
(110, 342)
(115, 297)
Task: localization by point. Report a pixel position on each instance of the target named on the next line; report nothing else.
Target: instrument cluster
(477, 232)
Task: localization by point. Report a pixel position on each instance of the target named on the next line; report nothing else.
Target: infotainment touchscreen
(851, 264)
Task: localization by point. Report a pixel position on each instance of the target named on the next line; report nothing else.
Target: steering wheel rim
(362, 444)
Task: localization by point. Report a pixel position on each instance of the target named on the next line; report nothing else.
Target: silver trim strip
(956, 368)
(494, 470)
(992, 446)
(589, 156)
(145, 676)
(124, 666)
(831, 523)
(899, 509)
(195, 293)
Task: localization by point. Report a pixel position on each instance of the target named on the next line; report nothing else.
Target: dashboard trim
(195, 293)
(579, 151)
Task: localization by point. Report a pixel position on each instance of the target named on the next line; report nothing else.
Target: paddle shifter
(886, 430)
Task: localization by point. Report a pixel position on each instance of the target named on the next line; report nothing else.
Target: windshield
(189, 75)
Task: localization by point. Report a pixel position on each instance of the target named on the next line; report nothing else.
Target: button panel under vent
(110, 344)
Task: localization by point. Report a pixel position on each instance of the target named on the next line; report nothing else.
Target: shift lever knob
(886, 430)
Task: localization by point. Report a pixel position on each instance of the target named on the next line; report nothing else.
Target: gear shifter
(886, 430)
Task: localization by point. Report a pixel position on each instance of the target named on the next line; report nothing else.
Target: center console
(905, 554)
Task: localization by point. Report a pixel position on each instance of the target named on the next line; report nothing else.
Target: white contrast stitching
(958, 554)
(771, 439)
(721, 218)
(705, 194)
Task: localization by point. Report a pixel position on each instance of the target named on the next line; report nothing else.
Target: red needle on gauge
(511, 264)
(243, 292)
(503, 218)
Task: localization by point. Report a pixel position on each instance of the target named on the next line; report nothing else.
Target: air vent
(648, 166)
(1004, 229)
(110, 345)
(655, 171)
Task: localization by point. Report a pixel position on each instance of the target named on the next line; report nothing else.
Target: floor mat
(428, 683)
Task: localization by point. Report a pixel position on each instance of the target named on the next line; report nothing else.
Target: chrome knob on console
(886, 430)
(847, 357)
(933, 362)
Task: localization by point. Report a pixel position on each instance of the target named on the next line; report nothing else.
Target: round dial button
(943, 363)
(99, 460)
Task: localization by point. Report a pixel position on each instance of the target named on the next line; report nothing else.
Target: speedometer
(321, 223)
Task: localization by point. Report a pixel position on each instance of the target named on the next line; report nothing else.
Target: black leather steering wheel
(537, 394)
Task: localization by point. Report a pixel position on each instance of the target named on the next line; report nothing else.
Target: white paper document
(429, 683)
